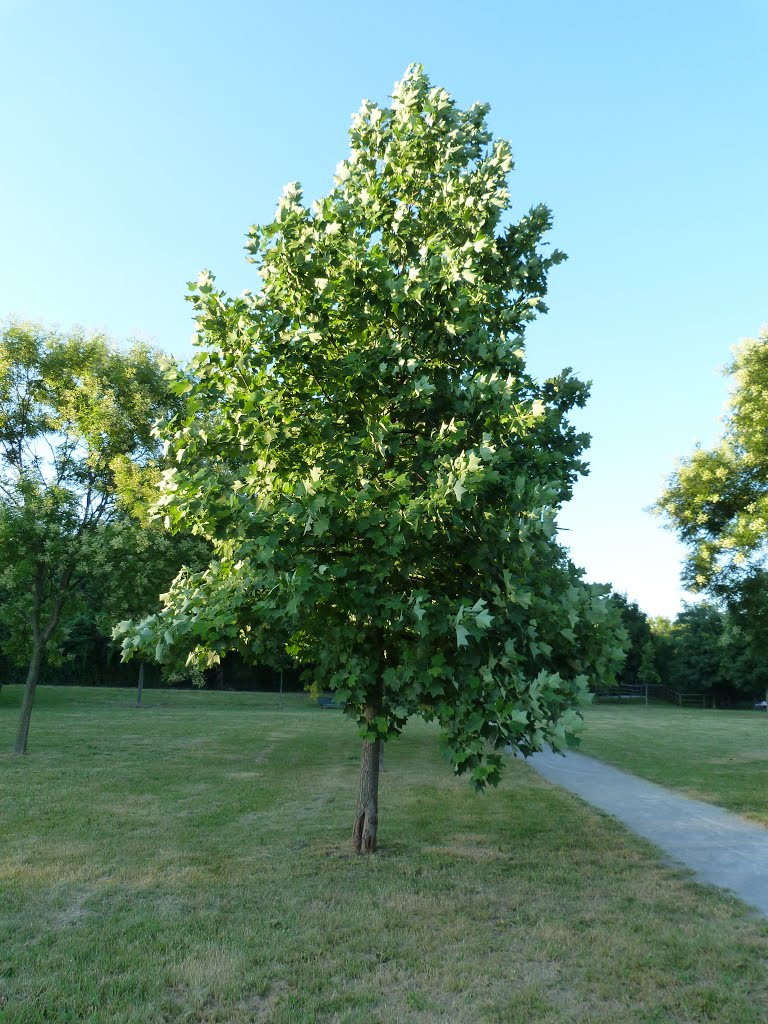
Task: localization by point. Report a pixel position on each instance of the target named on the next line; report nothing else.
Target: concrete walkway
(720, 847)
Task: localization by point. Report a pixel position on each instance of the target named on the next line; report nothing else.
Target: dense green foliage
(377, 471)
(704, 655)
(77, 460)
(704, 650)
(647, 670)
(717, 502)
(638, 631)
(126, 565)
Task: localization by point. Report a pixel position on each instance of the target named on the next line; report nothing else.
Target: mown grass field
(717, 756)
(189, 863)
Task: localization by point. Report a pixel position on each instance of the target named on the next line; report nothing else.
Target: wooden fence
(657, 691)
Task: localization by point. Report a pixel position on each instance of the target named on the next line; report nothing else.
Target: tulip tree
(375, 467)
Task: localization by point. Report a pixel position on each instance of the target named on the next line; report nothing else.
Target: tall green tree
(717, 500)
(745, 598)
(697, 660)
(710, 653)
(377, 470)
(76, 418)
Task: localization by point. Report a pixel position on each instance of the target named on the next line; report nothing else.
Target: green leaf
(321, 525)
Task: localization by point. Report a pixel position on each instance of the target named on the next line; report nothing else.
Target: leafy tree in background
(744, 666)
(377, 471)
(76, 419)
(696, 664)
(125, 567)
(706, 651)
(636, 623)
(662, 634)
(647, 671)
(717, 501)
(144, 554)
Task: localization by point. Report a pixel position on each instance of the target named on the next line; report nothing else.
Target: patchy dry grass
(717, 756)
(189, 863)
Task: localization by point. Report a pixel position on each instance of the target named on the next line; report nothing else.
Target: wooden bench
(327, 702)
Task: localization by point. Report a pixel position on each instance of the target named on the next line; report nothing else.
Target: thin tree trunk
(39, 645)
(140, 687)
(367, 812)
(33, 675)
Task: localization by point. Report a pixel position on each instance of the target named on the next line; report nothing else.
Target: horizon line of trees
(109, 560)
(704, 649)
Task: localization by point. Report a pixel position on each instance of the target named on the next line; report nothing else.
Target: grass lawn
(717, 756)
(189, 863)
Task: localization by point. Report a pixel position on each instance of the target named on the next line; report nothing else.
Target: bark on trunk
(367, 812)
(140, 688)
(41, 636)
(29, 698)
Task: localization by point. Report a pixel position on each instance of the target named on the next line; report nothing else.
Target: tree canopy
(717, 502)
(717, 498)
(376, 469)
(76, 444)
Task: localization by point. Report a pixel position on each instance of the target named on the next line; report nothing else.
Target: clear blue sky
(140, 140)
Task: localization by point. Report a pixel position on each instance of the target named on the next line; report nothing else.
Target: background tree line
(79, 464)
(124, 560)
(707, 648)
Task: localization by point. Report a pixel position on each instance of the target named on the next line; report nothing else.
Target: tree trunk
(140, 687)
(29, 697)
(367, 812)
(41, 636)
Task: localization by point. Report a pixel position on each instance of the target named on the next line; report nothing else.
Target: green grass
(189, 862)
(717, 756)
